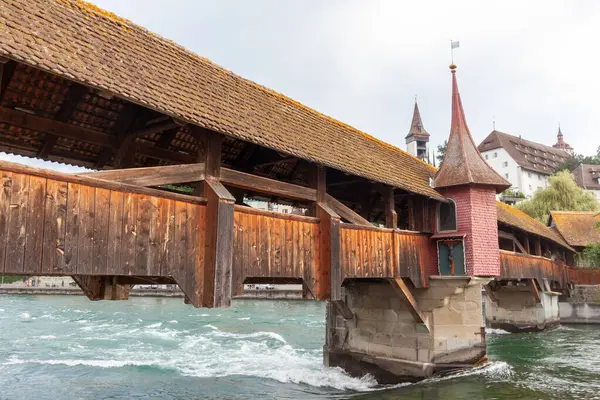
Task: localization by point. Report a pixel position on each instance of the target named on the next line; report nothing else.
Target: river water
(54, 347)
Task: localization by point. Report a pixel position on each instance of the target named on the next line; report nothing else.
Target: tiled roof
(528, 155)
(509, 215)
(587, 176)
(78, 41)
(578, 228)
(463, 165)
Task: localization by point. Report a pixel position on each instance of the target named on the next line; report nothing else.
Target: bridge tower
(398, 329)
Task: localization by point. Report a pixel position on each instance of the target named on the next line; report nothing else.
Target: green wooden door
(445, 248)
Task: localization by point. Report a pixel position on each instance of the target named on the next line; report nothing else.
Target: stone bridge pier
(521, 306)
(397, 333)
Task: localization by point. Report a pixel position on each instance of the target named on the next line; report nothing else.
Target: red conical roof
(463, 164)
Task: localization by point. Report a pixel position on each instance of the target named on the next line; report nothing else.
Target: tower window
(495, 155)
(447, 216)
(487, 157)
(505, 164)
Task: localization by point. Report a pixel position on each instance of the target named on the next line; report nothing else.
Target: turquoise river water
(54, 347)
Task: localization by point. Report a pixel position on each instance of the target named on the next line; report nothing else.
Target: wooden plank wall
(268, 244)
(370, 252)
(525, 266)
(52, 227)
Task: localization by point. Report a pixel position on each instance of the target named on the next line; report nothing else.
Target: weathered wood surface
(584, 276)
(370, 252)
(52, 227)
(525, 266)
(267, 244)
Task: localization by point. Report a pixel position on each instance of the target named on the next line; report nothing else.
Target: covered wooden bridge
(177, 146)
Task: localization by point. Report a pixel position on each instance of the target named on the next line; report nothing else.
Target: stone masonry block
(404, 353)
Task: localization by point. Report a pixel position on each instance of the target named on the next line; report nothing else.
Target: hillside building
(525, 164)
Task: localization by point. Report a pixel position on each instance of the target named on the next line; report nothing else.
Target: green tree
(441, 152)
(575, 160)
(562, 194)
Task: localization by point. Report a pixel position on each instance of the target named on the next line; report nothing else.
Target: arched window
(447, 216)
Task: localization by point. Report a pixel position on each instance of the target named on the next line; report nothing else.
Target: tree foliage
(591, 255)
(562, 194)
(574, 161)
(441, 152)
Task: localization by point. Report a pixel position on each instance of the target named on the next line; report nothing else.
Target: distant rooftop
(529, 155)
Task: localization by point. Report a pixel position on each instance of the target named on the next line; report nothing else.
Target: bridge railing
(526, 266)
(584, 276)
(61, 224)
(274, 245)
(371, 252)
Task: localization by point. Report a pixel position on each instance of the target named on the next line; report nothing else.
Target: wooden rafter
(7, 69)
(125, 123)
(266, 185)
(75, 94)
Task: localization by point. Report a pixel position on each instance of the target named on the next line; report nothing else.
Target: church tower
(561, 144)
(417, 140)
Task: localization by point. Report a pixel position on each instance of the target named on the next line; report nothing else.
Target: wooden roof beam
(125, 122)
(153, 176)
(72, 99)
(345, 212)
(266, 185)
(7, 69)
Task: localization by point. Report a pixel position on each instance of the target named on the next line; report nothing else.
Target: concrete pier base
(521, 307)
(399, 334)
(582, 306)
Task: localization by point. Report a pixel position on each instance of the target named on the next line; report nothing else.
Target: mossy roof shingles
(78, 41)
(516, 218)
(578, 228)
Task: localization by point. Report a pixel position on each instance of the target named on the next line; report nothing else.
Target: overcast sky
(528, 64)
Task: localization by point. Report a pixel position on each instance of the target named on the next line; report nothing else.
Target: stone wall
(582, 306)
(385, 340)
(515, 308)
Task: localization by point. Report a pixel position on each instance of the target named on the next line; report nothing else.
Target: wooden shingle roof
(578, 228)
(511, 216)
(76, 40)
(528, 155)
(463, 165)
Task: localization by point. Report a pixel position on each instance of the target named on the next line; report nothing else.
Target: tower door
(451, 257)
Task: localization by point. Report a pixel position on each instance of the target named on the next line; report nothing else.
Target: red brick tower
(467, 180)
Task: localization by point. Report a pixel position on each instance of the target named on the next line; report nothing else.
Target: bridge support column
(520, 306)
(397, 333)
(582, 306)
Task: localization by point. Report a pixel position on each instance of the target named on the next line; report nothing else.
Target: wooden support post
(328, 277)
(406, 295)
(346, 212)
(103, 287)
(411, 214)
(216, 277)
(391, 216)
(538, 247)
(527, 248)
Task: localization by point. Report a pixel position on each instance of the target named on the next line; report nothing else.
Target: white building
(588, 177)
(526, 165)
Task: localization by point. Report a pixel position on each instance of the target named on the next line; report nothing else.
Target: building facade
(588, 177)
(525, 164)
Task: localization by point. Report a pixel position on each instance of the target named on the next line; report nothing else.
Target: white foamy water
(495, 331)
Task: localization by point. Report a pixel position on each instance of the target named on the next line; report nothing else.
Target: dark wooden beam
(274, 162)
(346, 212)
(124, 154)
(125, 123)
(391, 216)
(266, 185)
(165, 155)
(74, 96)
(166, 138)
(343, 309)
(7, 69)
(406, 295)
(153, 176)
(49, 126)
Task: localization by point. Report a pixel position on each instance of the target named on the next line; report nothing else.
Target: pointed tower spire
(417, 139)
(463, 165)
(561, 144)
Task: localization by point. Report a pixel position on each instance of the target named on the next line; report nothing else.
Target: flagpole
(451, 51)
